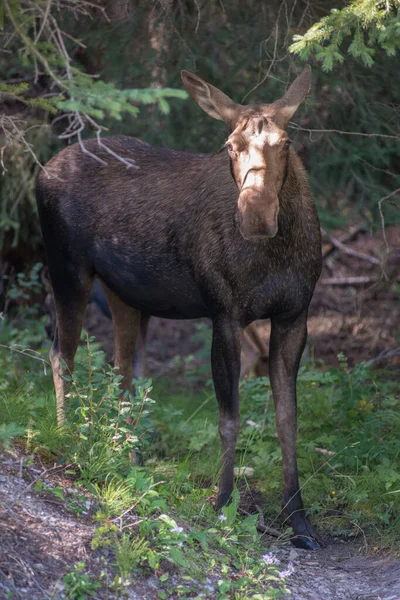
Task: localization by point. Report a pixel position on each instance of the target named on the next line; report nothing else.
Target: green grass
(348, 450)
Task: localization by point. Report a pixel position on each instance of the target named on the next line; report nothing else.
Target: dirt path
(41, 541)
(340, 572)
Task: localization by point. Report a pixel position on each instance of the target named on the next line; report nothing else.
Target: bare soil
(43, 539)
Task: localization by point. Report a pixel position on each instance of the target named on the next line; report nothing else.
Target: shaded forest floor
(42, 537)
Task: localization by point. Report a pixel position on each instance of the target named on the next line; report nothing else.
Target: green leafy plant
(129, 554)
(107, 427)
(9, 431)
(78, 585)
(20, 92)
(99, 99)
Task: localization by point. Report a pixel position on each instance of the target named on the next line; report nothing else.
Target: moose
(233, 236)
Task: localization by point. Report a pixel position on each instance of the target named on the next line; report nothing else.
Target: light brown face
(258, 149)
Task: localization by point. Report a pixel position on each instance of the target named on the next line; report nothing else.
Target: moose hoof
(304, 535)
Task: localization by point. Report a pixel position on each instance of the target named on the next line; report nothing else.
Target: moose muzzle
(258, 213)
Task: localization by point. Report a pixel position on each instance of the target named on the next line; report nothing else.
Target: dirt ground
(42, 539)
(358, 317)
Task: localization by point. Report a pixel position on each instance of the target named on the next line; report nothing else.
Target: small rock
(153, 583)
(59, 585)
(243, 471)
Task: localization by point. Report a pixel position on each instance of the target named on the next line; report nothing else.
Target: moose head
(258, 147)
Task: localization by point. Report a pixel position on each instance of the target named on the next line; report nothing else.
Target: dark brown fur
(167, 240)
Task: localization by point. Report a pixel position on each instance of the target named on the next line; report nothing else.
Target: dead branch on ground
(384, 355)
(361, 280)
(349, 251)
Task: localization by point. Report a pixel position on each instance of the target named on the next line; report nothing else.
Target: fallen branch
(43, 473)
(384, 355)
(340, 246)
(348, 280)
(352, 236)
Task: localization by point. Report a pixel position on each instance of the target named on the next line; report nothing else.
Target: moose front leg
(287, 343)
(225, 359)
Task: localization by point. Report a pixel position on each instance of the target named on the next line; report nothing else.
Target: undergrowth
(153, 481)
(348, 447)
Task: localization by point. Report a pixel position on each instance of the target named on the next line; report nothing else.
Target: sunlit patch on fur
(274, 138)
(255, 179)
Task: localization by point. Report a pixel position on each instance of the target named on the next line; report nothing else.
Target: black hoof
(300, 541)
(304, 535)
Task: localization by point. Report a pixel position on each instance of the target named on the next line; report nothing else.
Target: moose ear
(295, 95)
(210, 99)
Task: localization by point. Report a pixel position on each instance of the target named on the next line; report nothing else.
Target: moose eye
(288, 142)
(229, 147)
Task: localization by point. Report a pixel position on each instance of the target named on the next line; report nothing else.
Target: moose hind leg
(126, 324)
(71, 296)
(225, 359)
(287, 343)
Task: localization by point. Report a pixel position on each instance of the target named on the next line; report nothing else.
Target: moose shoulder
(233, 236)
